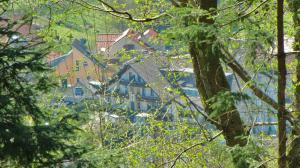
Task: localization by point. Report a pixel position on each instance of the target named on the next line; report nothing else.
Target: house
(76, 69)
(110, 45)
(143, 86)
(78, 65)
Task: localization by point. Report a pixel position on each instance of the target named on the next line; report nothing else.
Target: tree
(294, 153)
(200, 27)
(206, 55)
(281, 112)
(30, 135)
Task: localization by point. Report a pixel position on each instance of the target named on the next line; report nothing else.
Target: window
(78, 91)
(148, 106)
(88, 78)
(143, 91)
(132, 106)
(77, 65)
(77, 80)
(123, 89)
(64, 83)
(85, 63)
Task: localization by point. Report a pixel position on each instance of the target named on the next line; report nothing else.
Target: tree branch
(117, 13)
(245, 15)
(195, 145)
(238, 69)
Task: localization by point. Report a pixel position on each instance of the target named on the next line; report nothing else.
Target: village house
(76, 69)
(143, 86)
(77, 65)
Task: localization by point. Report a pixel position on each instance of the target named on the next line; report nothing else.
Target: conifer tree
(30, 135)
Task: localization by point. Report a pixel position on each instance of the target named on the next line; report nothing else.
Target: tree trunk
(294, 153)
(211, 80)
(281, 114)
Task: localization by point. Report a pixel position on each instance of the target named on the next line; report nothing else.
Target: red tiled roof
(130, 34)
(24, 29)
(105, 40)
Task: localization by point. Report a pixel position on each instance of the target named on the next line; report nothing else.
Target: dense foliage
(220, 36)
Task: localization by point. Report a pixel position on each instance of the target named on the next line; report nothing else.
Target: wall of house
(69, 93)
(77, 66)
(135, 97)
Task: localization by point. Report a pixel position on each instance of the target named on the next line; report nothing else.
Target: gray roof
(149, 70)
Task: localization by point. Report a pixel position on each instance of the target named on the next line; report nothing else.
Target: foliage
(31, 135)
(56, 134)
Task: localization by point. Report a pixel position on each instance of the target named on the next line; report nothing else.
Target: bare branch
(117, 13)
(195, 145)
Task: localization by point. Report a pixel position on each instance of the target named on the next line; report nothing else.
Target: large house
(76, 70)
(78, 65)
(144, 86)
